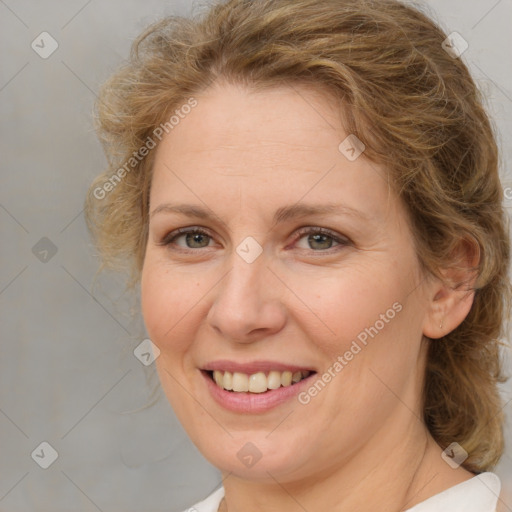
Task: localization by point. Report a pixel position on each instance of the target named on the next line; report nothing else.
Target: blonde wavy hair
(415, 107)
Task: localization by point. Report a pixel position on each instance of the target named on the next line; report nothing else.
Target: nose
(247, 306)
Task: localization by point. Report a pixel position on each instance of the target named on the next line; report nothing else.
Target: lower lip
(253, 402)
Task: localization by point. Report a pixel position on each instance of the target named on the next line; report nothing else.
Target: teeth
(286, 379)
(274, 380)
(227, 382)
(257, 382)
(217, 377)
(240, 382)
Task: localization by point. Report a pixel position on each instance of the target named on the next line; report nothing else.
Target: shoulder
(209, 504)
(478, 494)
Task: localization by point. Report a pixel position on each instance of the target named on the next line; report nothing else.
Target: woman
(308, 193)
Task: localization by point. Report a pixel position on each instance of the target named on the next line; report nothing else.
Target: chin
(256, 457)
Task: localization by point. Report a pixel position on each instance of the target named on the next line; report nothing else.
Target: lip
(252, 403)
(253, 367)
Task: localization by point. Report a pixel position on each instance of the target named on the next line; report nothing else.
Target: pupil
(196, 240)
(320, 241)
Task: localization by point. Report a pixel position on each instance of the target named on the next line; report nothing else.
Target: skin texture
(360, 444)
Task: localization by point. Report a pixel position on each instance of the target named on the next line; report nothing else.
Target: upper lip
(253, 367)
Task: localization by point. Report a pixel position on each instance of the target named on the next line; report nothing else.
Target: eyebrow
(305, 210)
(281, 215)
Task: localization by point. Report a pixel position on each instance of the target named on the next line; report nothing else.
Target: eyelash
(169, 238)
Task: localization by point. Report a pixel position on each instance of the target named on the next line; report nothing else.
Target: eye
(188, 238)
(319, 239)
(309, 238)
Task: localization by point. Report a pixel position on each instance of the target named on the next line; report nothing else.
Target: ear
(450, 297)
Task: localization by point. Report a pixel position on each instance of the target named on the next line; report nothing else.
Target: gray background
(68, 375)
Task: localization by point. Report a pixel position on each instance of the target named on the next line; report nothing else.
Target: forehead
(274, 145)
(232, 118)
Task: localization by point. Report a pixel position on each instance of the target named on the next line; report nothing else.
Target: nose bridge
(242, 284)
(247, 262)
(245, 302)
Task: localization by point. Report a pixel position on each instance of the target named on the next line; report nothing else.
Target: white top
(478, 494)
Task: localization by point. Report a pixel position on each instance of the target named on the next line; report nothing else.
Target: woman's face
(292, 256)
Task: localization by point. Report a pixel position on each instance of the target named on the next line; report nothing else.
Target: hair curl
(419, 113)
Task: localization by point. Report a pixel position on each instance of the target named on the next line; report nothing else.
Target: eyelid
(306, 230)
(168, 238)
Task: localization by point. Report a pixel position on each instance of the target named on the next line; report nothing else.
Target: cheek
(357, 303)
(169, 300)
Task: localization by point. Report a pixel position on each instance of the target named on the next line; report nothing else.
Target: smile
(254, 387)
(259, 382)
